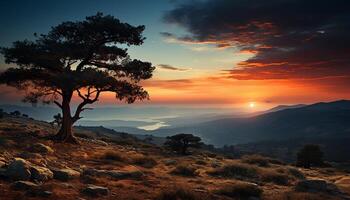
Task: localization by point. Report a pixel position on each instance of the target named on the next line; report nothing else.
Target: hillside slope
(32, 167)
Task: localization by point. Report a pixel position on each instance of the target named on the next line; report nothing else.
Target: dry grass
(235, 170)
(184, 170)
(256, 160)
(177, 193)
(143, 161)
(114, 155)
(240, 190)
(274, 176)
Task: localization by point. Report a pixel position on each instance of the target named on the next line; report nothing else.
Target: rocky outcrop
(24, 185)
(40, 173)
(41, 148)
(95, 191)
(316, 185)
(65, 174)
(18, 169)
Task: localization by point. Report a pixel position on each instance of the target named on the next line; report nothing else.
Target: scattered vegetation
(181, 142)
(144, 161)
(235, 170)
(177, 193)
(310, 156)
(256, 160)
(113, 155)
(274, 176)
(240, 190)
(184, 170)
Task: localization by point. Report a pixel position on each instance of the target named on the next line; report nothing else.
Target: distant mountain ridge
(330, 119)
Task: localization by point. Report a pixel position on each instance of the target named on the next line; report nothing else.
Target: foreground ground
(32, 167)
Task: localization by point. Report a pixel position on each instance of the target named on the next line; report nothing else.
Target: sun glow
(252, 105)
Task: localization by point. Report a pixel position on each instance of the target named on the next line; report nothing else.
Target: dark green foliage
(15, 113)
(310, 156)
(57, 119)
(78, 57)
(181, 142)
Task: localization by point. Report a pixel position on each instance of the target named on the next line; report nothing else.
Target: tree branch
(86, 101)
(58, 104)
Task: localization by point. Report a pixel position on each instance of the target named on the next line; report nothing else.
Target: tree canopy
(181, 142)
(81, 57)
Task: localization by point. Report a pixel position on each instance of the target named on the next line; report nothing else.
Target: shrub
(274, 177)
(144, 161)
(235, 171)
(177, 193)
(113, 155)
(184, 170)
(256, 160)
(240, 190)
(310, 155)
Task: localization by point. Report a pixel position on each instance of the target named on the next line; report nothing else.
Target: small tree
(57, 119)
(181, 142)
(82, 58)
(310, 155)
(15, 113)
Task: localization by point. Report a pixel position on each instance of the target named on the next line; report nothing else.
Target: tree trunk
(65, 133)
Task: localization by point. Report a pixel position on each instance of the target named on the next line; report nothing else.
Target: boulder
(18, 169)
(114, 173)
(29, 155)
(170, 162)
(94, 191)
(40, 173)
(24, 185)
(65, 174)
(2, 162)
(41, 148)
(316, 185)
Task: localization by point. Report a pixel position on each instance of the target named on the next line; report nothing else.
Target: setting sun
(252, 105)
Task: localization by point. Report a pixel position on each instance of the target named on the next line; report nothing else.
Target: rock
(2, 164)
(93, 190)
(65, 174)
(38, 193)
(316, 185)
(114, 173)
(41, 148)
(170, 162)
(29, 155)
(18, 169)
(40, 173)
(24, 185)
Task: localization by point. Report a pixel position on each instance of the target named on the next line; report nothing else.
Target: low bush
(113, 155)
(256, 160)
(295, 173)
(240, 190)
(144, 161)
(236, 170)
(184, 170)
(177, 193)
(274, 176)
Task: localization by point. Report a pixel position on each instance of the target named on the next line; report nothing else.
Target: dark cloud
(291, 38)
(172, 68)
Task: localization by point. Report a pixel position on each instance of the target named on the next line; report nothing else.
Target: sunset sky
(215, 52)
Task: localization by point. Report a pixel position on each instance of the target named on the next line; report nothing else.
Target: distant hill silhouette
(320, 120)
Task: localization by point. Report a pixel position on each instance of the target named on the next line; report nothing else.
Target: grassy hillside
(110, 165)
